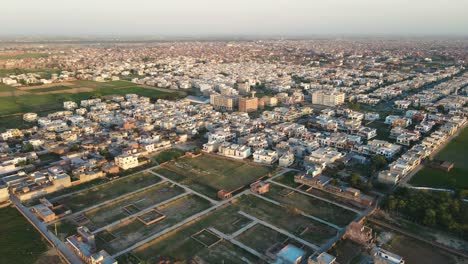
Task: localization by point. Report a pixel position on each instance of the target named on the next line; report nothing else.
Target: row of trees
(432, 209)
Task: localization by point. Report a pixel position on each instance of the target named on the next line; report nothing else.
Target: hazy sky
(248, 17)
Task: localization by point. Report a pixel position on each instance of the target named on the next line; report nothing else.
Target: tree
(429, 217)
(379, 162)
(355, 180)
(441, 109)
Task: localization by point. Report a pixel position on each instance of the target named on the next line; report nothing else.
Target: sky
(234, 17)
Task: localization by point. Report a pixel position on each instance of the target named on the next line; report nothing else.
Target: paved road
(64, 249)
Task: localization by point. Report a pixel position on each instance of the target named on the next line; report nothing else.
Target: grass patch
(49, 102)
(19, 242)
(261, 238)
(168, 155)
(7, 88)
(455, 151)
(310, 205)
(301, 226)
(209, 174)
(23, 56)
(288, 179)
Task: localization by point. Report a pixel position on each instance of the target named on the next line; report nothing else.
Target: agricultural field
(310, 205)
(456, 178)
(106, 192)
(23, 56)
(47, 98)
(19, 240)
(114, 211)
(208, 174)
(128, 233)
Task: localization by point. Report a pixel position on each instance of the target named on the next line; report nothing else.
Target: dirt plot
(130, 232)
(108, 191)
(131, 204)
(301, 226)
(309, 205)
(180, 246)
(209, 174)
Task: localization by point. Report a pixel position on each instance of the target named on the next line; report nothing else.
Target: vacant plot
(455, 151)
(288, 179)
(19, 242)
(209, 174)
(134, 230)
(168, 155)
(106, 192)
(261, 238)
(347, 251)
(122, 207)
(286, 219)
(206, 238)
(180, 246)
(310, 205)
(414, 251)
(50, 89)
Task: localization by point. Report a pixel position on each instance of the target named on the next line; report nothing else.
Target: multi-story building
(329, 99)
(248, 104)
(224, 102)
(126, 162)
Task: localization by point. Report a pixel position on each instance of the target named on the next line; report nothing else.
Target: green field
(209, 174)
(111, 190)
(45, 73)
(168, 155)
(19, 242)
(457, 178)
(312, 206)
(6, 88)
(48, 102)
(24, 56)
